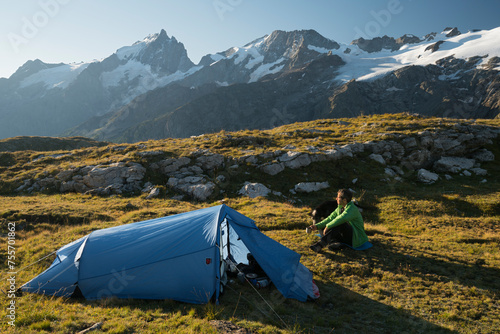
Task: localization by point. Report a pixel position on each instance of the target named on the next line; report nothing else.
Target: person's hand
(325, 230)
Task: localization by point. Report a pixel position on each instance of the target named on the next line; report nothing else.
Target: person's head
(344, 196)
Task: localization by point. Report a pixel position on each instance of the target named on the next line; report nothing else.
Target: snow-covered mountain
(279, 78)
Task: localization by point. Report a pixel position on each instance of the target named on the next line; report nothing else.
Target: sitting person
(344, 226)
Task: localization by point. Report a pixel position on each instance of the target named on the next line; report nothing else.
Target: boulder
(378, 158)
(273, 169)
(334, 154)
(409, 143)
(294, 160)
(307, 187)
(210, 161)
(417, 159)
(155, 192)
(172, 165)
(116, 174)
(65, 175)
(202, 191)
(67, 186)
(289, 156)
(479, 171)
(301, 161)
(425, 176)
(195, 186)
(453, 164)
(254, 190)
(483, 155)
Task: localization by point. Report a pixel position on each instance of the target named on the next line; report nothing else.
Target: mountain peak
(302, 38)
(164, 54)
(31, 67)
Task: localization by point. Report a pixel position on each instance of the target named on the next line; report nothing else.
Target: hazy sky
(82, 30)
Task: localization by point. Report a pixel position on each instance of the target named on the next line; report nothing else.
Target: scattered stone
(148, 186)
(155, 192)
(390, 172)
(378, 158)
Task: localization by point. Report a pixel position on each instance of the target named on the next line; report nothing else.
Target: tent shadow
(338, 310)
(429, 266)
(352, 312)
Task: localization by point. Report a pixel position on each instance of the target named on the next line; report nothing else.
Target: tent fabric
(61, 277)
(175, 257)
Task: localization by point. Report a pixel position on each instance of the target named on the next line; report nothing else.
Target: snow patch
(266, 69)
(393, 89)
(55, 77)
(361, 65)
(318, 49)
(128, 52)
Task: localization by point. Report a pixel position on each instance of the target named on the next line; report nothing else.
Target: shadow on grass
(432, 266)
(351, 312)
(338, 310)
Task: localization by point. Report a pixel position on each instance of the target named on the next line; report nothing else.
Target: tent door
(224, 251)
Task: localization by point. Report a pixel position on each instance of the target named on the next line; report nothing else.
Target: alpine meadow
(433, 267)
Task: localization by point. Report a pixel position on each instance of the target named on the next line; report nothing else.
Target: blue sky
(82, 30)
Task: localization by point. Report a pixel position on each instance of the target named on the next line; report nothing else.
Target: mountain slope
(47, 99)
(151, 89)
(341, 81)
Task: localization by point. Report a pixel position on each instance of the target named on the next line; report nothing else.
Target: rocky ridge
(202, 175)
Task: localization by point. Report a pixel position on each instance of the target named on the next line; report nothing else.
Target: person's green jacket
(352, 216)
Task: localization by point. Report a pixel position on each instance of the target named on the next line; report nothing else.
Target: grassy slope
(434, 266)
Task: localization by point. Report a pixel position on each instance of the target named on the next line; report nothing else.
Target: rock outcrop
(201, 175)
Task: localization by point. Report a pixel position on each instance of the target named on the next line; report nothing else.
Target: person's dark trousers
(341, 233)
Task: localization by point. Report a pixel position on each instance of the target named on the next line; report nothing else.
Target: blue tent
(180, 257)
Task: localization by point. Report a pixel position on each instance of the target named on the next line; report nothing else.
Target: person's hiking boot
(316, 248)
(334, 246)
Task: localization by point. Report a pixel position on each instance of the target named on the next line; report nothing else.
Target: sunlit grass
(434, 266)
